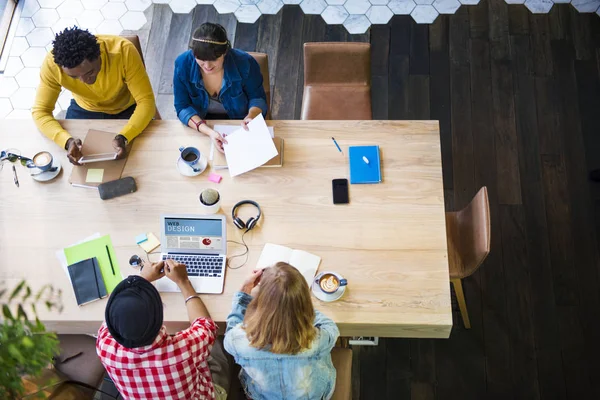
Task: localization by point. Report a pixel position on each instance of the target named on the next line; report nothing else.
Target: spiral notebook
(365, 165)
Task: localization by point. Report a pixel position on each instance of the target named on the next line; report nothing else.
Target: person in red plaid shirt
(143, 361)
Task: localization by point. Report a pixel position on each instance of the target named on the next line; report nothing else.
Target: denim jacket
(242, 86)
(307, 375)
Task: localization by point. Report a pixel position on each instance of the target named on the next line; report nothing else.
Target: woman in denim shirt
(281, 342)
(214, 81)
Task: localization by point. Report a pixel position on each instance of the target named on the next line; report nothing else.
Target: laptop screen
(193, 234)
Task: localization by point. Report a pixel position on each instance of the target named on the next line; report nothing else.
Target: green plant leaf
(16, 291)
(3, 292)
(21, 314)
(15, 353)
(40, 293)
(6, 312)
(27, 293)
(27, 342)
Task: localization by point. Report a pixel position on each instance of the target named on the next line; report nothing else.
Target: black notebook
(87, 281)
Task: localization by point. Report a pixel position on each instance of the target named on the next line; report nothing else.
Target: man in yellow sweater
(108, 81)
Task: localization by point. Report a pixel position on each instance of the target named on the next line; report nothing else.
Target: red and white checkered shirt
(173, 367)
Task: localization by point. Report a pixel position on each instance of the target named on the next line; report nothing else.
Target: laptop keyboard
(199, 265)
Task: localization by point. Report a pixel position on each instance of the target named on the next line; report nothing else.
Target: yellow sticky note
(94, 175)
(150, 244)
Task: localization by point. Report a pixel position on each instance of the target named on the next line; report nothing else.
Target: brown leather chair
(136, 42)
(342, 361)
(263, 61)
(337, 81)
(469, 233)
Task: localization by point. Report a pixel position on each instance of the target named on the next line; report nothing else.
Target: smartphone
(340, 191)
(97, 157)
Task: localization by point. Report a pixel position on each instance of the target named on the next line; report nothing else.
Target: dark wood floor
(518, 100)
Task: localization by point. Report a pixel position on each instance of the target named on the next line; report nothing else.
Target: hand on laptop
(176, 272)
(251, 283)
(153, 271)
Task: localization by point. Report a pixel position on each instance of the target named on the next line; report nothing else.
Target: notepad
(87, 281)
(360, 170)
(303, 261)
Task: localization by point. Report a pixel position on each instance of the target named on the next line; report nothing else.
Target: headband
(210, 41)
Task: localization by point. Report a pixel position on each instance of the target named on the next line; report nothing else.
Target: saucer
(186, 170)
(48, 175)
(327, 297)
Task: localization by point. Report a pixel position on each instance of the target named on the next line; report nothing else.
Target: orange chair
(469, 233)
(263, 61)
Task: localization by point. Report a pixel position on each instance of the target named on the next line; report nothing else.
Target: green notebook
(97, 248)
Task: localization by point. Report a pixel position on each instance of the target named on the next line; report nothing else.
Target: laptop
(199, 242)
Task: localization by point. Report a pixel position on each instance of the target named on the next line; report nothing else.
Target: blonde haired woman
(281, 342)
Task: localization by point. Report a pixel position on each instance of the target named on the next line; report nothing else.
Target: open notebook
(303, 261)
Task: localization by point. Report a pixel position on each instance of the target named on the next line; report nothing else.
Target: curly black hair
(73, 45)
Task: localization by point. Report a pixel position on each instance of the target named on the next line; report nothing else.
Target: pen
(16, 179)
(110, 259)
(337, 145)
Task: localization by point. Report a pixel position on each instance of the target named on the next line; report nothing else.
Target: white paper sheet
(247, 150)
(303, 261)
(225, 130)
(62, 259)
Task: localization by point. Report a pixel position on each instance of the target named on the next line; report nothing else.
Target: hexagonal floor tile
(357, 24)
(291, 1)
(379, 2)
(70, 9)
(93, 4)
(8, 85)
(23, 98)
(402, 7)
(249, 2)
(138, 5)
(379, 14)
(19, 114)
(509, 1)
(50, 3)
(25, 26)
(472, 2)
(334, 15)
(225, 6)
(48, 47)
(269, 6)
(133, 20)
(90, 19)
(335, 2)
(34, 57)
(45, 18)
(29, 8)
(206, 2)
(424, 14)
(539, 6)
(113, 10)
(424, 2)
(313, 6)
(63, 24)
(161, 1)
(562, 1)
(40, 37)
(109, 27)
(182, 6)
(247, 13)
(28, 78)
(5, 108)
(357, 7)
(586, 6)
(18, 46)
(446, 6)
(13, 66)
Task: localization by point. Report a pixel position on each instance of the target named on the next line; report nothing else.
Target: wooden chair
(337, 81)
(469, 235)
(342, 361)
(136, 42)
(263, 62)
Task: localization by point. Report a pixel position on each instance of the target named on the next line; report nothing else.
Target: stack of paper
(303, 261)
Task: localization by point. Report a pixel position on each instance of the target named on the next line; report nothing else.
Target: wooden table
(389, 242)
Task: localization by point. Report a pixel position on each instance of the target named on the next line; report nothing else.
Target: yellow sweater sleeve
(45, 101)
(138, 83)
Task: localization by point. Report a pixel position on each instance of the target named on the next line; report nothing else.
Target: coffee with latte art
(42, 159)
(329, 283)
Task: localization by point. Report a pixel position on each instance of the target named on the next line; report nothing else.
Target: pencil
(110, 259)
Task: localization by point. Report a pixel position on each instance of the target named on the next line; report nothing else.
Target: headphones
(252, 221)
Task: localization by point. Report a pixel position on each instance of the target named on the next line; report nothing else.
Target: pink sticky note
(216, 178)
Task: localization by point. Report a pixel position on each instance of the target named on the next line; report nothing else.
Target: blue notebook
(360, 171)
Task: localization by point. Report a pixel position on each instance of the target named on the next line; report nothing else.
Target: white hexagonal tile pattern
(446, 6)
(63, 24)
(402, 7)
(28, 78)
(379, 2)
(162, 1)
(514, 1)
(18, 46)
(424, 14)
(133, 20)
(5, 108)
(40, 37)
(70, 9)
(109, 27)
(206, 2)
(357, 7)
(19, 114)
(90, 19)
(45, 18)
(34, 57)
(379, 14)
(313, 6)
(29, 8)
(269, 6)
(335, 15)
(93, 4)
(539, 6)
(8, 85)
(249, 2)
(23, 99)
(424, 2)
(561, 1)
(357, 24)
(292, 1)
(469, 2)
(24, 27)
(184, 6)
(586, 6)
(13, 66)
(50, 3)
(247, 13)
(137, 5)
(224, 6)
(48, 47)
(113, 10)
(335, 2)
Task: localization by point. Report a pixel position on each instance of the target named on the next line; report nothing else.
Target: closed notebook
(87, 281)
(220, 162)
(362, 171)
